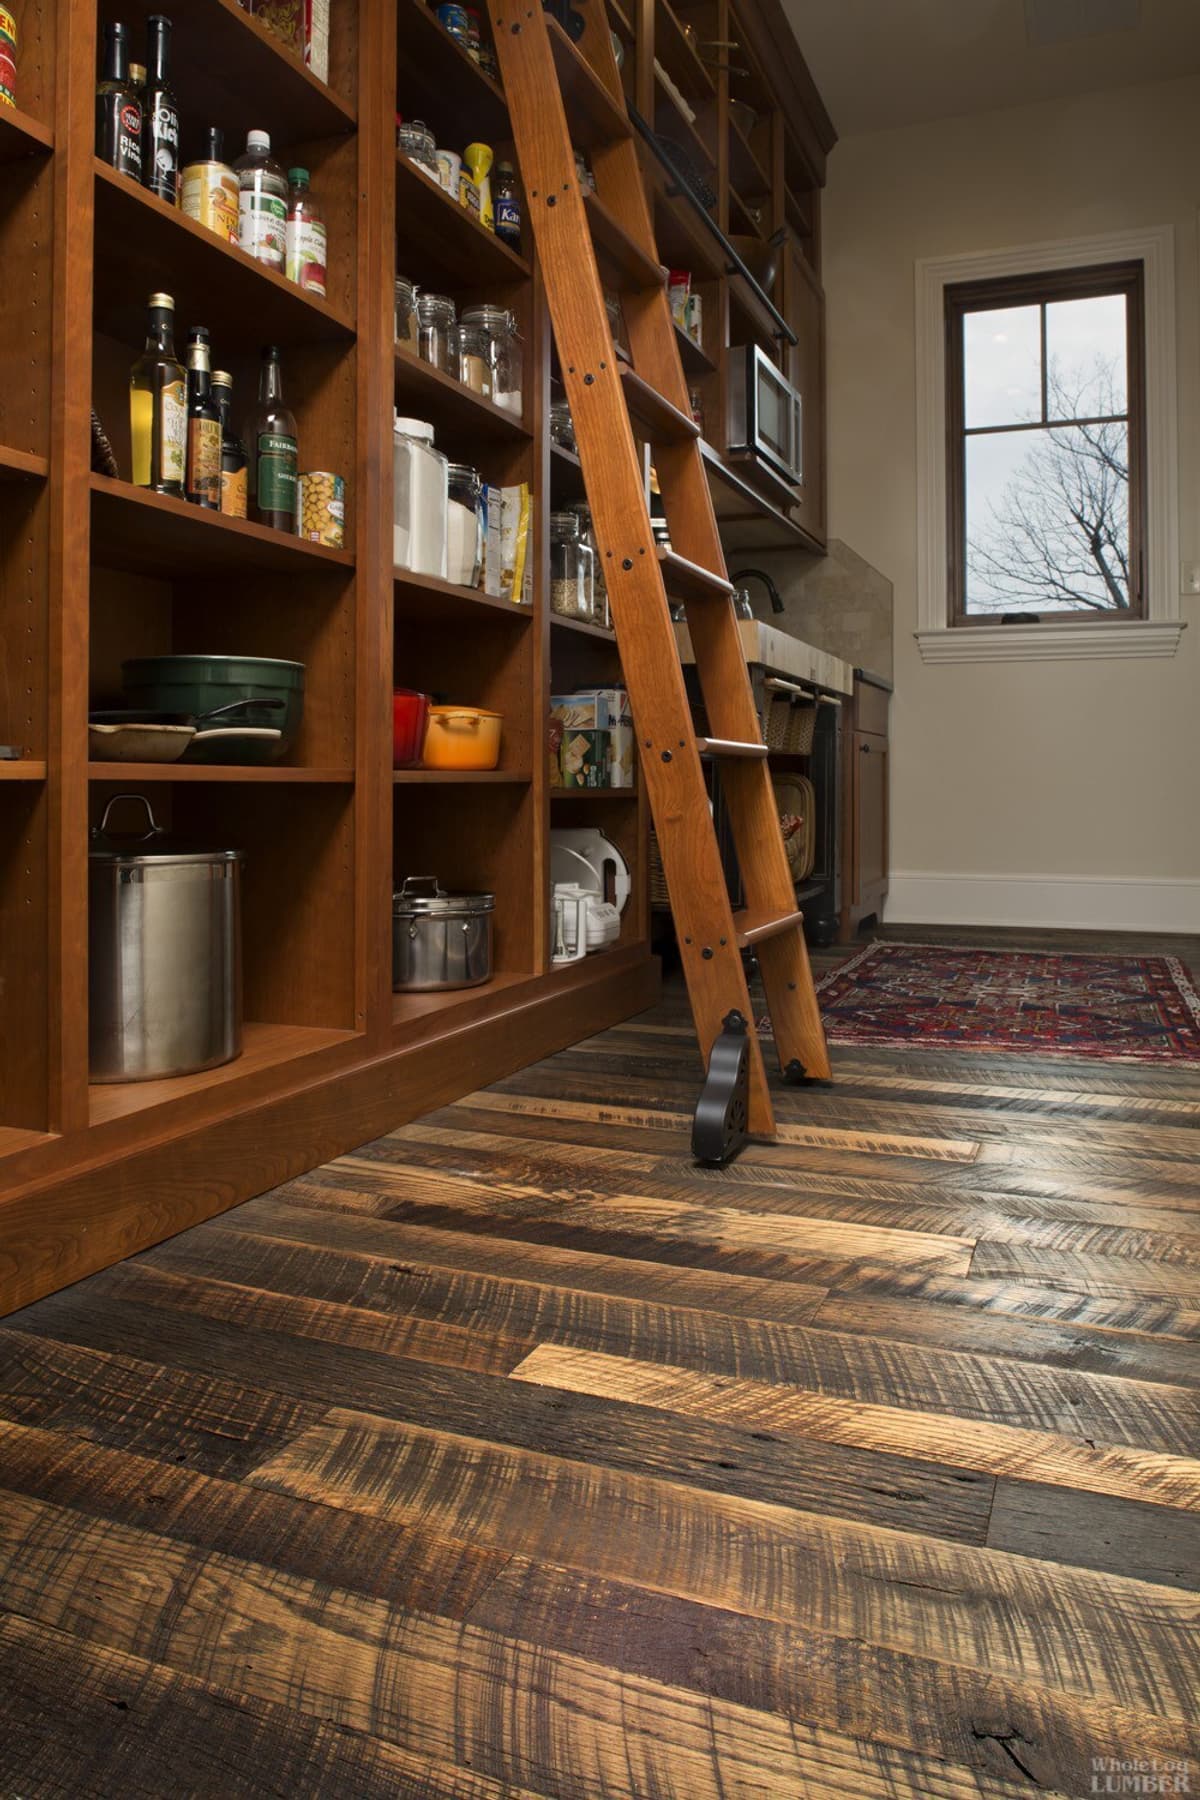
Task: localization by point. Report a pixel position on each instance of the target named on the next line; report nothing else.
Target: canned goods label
(454, 18)
(323, 508)
(8, 58)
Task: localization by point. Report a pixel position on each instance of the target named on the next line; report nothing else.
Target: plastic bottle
(306, 235)
(210, 189)
(478, 158)
(507, 204)
(262, 202)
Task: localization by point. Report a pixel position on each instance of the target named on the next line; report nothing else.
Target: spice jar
(504, 356)
(562, 426)
(438, 332)
(572, 569)
(464, 527)
(587, 533)
(474, 369)
(407, 332)
(416, 140)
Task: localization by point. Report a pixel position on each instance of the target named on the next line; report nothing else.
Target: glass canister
(419, 499)
(572, 569)
(438, 332)
(505, 358)
(464, 528)
(407, 330)
(474, 365)
(562, 426)
(418, 143)
(583, 512)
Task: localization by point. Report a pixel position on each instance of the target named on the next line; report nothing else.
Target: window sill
(1051, 643)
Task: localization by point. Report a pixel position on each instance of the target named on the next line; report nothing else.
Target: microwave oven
(765, 414)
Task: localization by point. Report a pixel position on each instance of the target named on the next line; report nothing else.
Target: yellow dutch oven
(462, 737)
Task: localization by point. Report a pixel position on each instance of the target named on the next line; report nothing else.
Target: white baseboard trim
(1078, 902)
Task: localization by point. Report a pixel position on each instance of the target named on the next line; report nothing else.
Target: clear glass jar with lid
(406, 328)
(505, 357)
(562, 426)
(419, 499)
(587, 532)
(438, 332)
(474, 367)
(572, 569)
(464, 528)
(418, 143)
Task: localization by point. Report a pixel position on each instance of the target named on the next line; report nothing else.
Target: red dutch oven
(410, 715)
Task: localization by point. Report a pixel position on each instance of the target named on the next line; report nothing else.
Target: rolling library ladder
(572, 228)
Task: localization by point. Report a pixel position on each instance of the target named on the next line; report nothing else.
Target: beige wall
(1067, 769)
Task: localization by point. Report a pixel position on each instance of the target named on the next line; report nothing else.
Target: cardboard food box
(592, 709)
(583, 759)
(620, 765)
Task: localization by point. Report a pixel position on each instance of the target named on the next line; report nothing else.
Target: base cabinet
(865, 817)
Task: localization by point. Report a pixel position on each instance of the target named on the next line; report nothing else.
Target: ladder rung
(753, 927)
(661, 422)
(619, 253)
(686, 580)
(729, 747)
(596, 118)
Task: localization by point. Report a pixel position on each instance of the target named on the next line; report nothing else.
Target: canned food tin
(8, 58)
(323, 509)
(454, 17)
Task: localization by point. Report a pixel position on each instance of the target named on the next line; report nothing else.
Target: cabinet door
(870, 816)
(806, 371)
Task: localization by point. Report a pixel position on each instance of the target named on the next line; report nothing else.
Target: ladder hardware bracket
(795, 1071)
(722, 1111)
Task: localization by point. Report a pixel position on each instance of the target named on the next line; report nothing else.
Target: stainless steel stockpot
(440, 940)
(164, 954)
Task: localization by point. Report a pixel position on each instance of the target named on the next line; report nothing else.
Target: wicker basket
(659, 897)
(801, 728)
(796, 798)
(775, 725)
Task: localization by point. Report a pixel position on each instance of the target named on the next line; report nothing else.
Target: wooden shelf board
(746, 171)
(695, 360)
(596, 117)
(413, 591)
(241, 772)
(682, 239)
(410, 1012)
(22, 135)
(440, 81)
(619, 255)
(747, 225)
(660, 422)
(800, 210)
(142, 245)
(582, 627)
(593, 795)
(28, 769)
(683, 132)
(264, 1047)
(447, 403)
(22, 465)
(133, 528)
(744, 300)
(440, 240)
(746, 519)
(230, 71)
(439, 777)
(677, 55)
(13, 1140)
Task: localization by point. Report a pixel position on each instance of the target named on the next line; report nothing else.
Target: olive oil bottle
(233, 456)
(158, 405)
(203, 479)
(272, 450)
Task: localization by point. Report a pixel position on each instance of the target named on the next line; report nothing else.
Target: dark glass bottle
(118, 108)
(271, 450)
(158, 405)
(160, 160)
(203, 484)
(233, 455)
(506, 206)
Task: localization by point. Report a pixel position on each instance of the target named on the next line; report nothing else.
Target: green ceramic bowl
(199, 684)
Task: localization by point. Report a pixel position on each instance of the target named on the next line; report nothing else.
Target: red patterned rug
(1033, 1003)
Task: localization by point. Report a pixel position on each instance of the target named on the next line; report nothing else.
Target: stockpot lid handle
(155, 829)
(422, 887)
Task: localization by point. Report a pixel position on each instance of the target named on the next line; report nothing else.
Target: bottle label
(163, 174)
(233, 492)
(172, 432)
(277, 463)
(306, 242)
(508, 218)
(204, 461)
(262, 227)
(210, 196)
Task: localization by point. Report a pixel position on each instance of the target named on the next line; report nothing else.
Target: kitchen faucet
(776, 598)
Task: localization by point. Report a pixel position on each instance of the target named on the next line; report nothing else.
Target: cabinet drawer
(870, 708)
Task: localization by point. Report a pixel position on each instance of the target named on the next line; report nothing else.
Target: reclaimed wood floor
(512, 1455)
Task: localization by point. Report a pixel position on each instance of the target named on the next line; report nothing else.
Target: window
(1047, 465)
(1045, 446)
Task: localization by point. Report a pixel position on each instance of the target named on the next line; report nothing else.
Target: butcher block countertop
(783, 654)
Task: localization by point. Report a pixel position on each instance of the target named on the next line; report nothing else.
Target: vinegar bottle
(158, 405)
(202, 483)
(118, 108)
(262, 203)
(271, 450)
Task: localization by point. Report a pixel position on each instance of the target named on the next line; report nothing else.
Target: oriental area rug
(1031, 1003)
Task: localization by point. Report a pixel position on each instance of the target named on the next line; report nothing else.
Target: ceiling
(882, 63)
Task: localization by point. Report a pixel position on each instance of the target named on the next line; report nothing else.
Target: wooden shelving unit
(94, 571)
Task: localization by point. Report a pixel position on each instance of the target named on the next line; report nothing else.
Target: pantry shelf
(265, 1048)
(234, 73)
(593, 795)
(695, 360)
(143, 245)
(437, 777)
(13, 1140)
(21, 465)
(22, 135)
(447, 403)
(441, 241)
(596, 117)
(679, 56)
(583, 628)
(133, 528)
(28, 769)
(270, 772)
(746, 171)
(438, 80)
(620, 257)
(418, 1015)
(413, 592)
